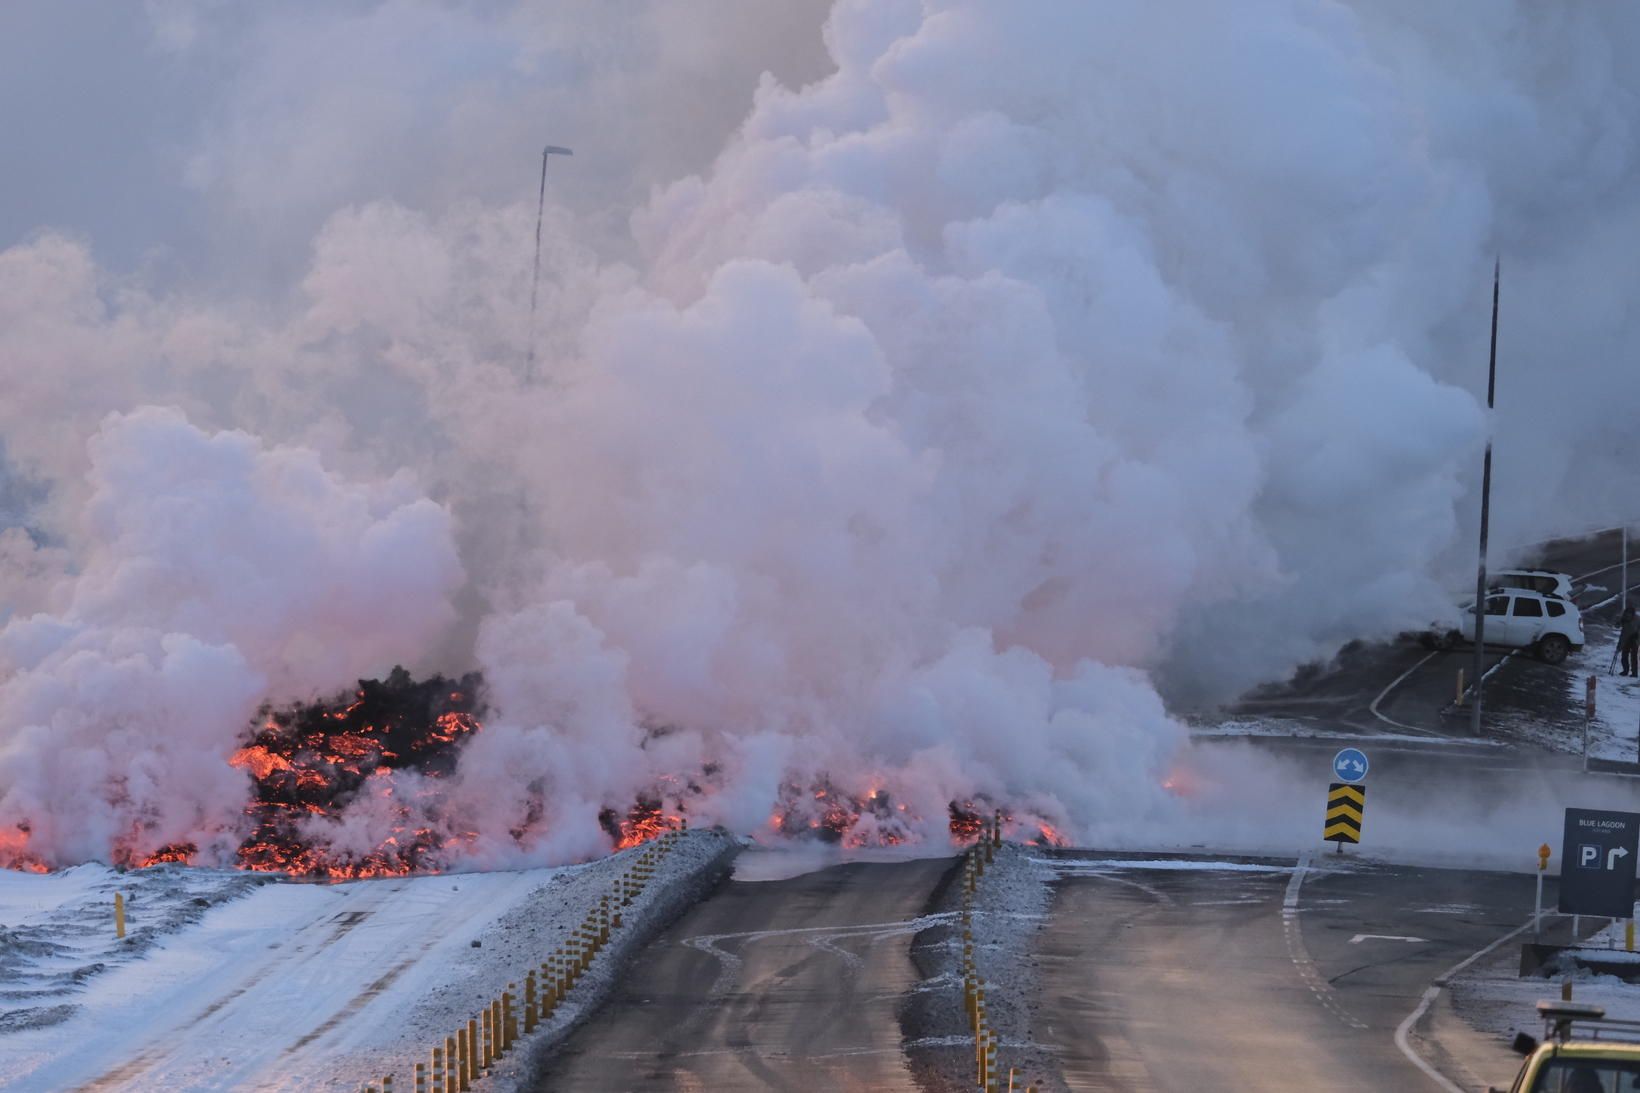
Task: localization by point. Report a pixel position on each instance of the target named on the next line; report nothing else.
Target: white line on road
(1289, 902)
(1300, 956)
(1373, 709)
(1404, 1029)
(1358, 938)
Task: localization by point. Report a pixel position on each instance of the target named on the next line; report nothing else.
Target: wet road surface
(1214, 978)
(767, 985)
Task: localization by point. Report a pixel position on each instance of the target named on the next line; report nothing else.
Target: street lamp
(1486, 512)
(535, 281)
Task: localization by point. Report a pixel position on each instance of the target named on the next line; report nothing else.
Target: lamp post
(1486, 512)
(535, 280)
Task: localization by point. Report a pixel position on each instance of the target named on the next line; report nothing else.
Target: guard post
(1537, 906)
(1588, 717)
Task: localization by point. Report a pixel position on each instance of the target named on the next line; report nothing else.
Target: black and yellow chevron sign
(1345, 805)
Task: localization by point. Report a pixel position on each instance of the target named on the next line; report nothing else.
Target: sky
(929, 394)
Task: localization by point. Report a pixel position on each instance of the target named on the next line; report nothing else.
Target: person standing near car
(1628, 641)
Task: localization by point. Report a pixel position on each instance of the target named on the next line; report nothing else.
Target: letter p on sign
(1588, 856)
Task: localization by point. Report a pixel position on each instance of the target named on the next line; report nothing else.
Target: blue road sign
(1597, 872)
(1350, 765)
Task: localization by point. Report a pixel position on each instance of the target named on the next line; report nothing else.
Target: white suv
(1518, 619)
(1546, 581)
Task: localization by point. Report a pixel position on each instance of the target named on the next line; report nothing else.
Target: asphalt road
(1196, 979)
(767, 985)
(1402, 688)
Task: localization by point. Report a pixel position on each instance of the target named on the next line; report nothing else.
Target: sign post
(1537, 908)
(1588, 718)
(1597, 863)
(1346, 798)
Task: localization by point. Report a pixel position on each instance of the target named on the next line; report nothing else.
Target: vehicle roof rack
(1593, 1024)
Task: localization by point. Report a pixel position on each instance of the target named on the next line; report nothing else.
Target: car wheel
(1552, 649)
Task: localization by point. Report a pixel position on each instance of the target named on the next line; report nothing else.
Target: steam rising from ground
(923, 426)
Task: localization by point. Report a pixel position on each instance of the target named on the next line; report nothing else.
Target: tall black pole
(1486, 514)
(535, 280)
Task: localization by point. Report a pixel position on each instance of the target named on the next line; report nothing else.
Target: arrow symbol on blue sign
(1613, 854)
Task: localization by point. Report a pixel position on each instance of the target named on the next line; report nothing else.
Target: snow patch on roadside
(1493, 998)
(325, 986)
(57, 929)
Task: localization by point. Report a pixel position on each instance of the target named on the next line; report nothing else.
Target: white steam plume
(1030, 361)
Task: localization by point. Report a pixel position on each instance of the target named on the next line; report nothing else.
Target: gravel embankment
(1009, 907)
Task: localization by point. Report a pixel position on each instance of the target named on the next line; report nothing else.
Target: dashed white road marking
(1319, 987)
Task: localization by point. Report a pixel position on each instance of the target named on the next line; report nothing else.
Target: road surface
(767, 985)
(1153, 975)
(1247, 976)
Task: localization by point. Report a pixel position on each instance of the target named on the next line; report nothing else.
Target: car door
(1526, 620)
(1497, 620)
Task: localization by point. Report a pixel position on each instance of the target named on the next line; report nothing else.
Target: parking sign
(1598, 852)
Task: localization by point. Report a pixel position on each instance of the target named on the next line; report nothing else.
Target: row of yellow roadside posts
(988, 1070)
(474, 1048)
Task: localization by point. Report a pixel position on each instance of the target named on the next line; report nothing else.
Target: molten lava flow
(644, 821)
(180, 853)
(824, 812)
(310, 762)
(968, 820)
(14, 852)
(1048, 835)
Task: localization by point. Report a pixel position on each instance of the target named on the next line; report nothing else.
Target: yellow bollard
(488, 1055)
(438, 1071)
(464, 1059)
(472, 1049)
(495, 1027)
(1565, 990)
(1458, 698)
(452, 1071)
(119, 914)
(1628, 935)
(509, 1019)
(529, 1003)
(421, 1078)
(387, 1084)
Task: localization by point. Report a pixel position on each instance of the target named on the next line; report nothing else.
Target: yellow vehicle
(1597, 1056)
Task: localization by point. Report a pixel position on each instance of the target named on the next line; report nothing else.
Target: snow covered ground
(232, 982)
(1616, 724)
(1494, 998)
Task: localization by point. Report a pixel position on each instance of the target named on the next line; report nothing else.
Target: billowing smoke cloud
(947, 403)
(212, 573)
